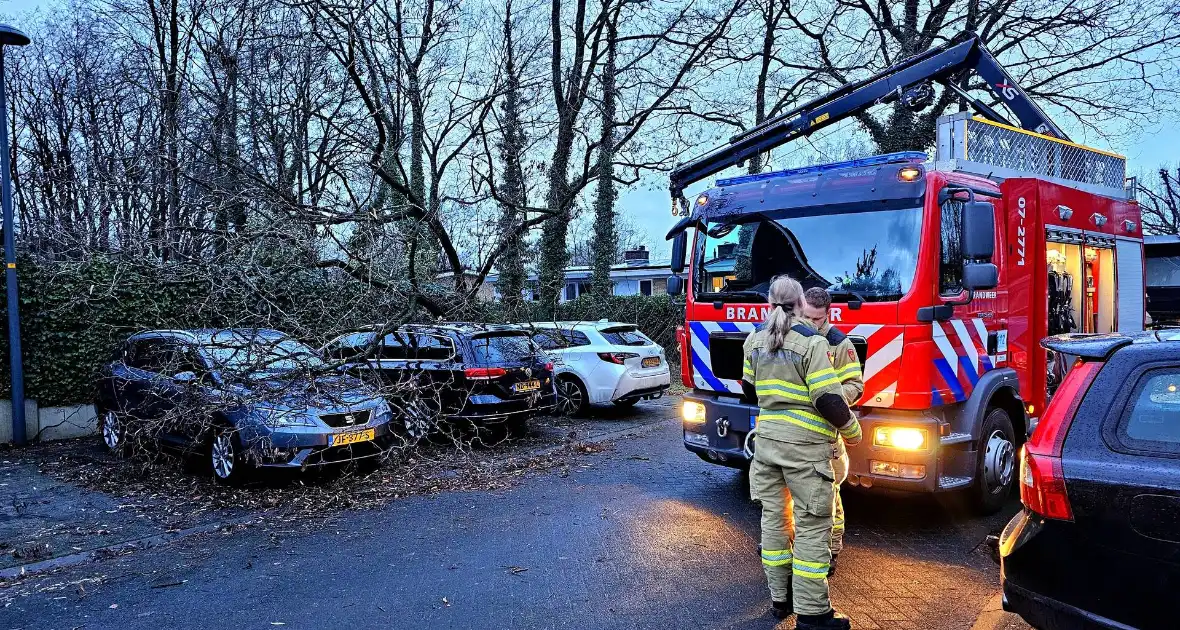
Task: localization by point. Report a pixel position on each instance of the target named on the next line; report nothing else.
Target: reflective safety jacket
(846, 363)
(788, 384)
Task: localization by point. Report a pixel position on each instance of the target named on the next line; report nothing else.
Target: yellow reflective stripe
(747, 369)
(774, 390)
(776, 558)
(831, 380)
(853, 433)
(781, 383)
(848, 371)
(803, 419)
(820, 375)
(813, 570)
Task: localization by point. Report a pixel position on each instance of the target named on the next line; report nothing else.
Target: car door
(1124, 488)
(133, 379)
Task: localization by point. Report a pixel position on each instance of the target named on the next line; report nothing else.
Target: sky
(648, 206)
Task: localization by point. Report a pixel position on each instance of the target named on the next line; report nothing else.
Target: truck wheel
(995, 472)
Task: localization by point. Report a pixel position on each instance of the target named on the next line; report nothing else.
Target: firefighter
(816, 306)
(801, 414)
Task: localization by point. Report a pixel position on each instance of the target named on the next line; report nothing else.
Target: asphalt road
(642, 535)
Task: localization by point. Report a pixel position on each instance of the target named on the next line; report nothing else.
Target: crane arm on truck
(909, 80)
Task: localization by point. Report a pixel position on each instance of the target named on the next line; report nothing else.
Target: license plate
(341, 439)
(651, 362)
(526, 386)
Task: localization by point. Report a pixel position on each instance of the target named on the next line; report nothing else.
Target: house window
(571, 291)
(645, 287)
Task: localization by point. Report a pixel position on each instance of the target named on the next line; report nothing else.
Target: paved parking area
(640, 535)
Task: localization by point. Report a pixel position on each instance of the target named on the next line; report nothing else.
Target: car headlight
(692, 412)
(903, 438)
(283, 417)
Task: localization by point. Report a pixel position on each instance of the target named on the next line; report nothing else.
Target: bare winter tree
(1100, 63)
(660, 50)
(1161, 203)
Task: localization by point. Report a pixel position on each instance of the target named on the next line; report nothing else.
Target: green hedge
(73, 314)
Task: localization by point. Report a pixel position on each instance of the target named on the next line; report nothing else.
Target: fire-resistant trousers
(805, 470)
(840, 469)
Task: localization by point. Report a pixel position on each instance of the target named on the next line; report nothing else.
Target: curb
(137, 544)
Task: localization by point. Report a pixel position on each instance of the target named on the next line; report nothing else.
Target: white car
(601, 362)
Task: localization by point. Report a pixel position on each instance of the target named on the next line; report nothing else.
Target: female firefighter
(801, 412)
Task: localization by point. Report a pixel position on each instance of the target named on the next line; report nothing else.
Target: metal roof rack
(975, 145)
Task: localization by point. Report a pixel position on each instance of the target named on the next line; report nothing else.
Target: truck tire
(995, 472)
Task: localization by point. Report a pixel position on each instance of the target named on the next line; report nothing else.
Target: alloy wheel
(569, 397)
(999, 460)
(111, 431)
(222, 457)
(417, 420)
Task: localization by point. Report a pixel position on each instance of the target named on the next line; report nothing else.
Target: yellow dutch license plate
(526, 386)
(341, 439)
(651, 362)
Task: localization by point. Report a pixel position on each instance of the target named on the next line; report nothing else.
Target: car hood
(329, 392)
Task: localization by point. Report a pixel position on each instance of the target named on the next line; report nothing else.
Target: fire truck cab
(946, 274)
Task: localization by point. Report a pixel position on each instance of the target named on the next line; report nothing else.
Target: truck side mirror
(980, 275)
(675, 285)
(977, 230)
(679, 249)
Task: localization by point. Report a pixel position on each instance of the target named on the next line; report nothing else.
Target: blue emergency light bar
(876, 160)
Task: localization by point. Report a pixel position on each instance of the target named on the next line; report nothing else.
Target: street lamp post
(11, 36)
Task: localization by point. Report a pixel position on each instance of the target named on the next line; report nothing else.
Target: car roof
(580, 325)
(444, 328)
(1100, 346)
(208, 335)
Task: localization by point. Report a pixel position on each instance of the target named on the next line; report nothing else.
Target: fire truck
(945, 272)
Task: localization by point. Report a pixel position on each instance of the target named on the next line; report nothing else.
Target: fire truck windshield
(862, 255)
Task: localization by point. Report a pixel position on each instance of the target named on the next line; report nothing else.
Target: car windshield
(501, 348)
(246, 354)
(625, 336)
(865, 255)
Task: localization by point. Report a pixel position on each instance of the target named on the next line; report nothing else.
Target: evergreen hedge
(73, 314)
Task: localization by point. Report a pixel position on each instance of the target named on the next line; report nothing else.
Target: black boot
(831, 620)
(832, 566)
(782, 610)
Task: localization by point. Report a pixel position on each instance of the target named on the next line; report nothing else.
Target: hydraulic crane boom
(908, 79)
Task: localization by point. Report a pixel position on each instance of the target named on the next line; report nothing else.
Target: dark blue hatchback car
(240, 399)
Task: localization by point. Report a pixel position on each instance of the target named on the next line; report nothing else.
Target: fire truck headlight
(692, 412)
(904, 438)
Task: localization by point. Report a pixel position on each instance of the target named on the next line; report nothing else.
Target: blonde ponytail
(786, 296)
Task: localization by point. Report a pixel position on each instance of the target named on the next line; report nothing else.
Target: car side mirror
(978, 276)
(679, 250)
(187, 376)
(675, 285)
(977, 225)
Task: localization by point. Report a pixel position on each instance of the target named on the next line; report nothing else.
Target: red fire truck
(946, 273)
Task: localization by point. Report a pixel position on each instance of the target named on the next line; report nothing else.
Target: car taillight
(549, 366)
(1042, 480)
(617, 358)
(483, 374)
